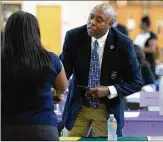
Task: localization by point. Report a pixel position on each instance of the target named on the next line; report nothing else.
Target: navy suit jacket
(119, 68)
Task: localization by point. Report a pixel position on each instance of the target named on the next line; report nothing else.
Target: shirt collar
(100, 40)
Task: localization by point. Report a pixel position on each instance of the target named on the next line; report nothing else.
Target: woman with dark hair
(28, 74)
(147, 40)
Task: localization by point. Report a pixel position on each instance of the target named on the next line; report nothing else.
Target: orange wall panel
(49, 18)
(124, 13)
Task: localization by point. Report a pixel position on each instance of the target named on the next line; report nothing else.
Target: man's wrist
(108, 92)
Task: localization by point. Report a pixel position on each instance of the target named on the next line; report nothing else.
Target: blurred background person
(120, 27)
(147, 40)
(28, 74)
(147, 74)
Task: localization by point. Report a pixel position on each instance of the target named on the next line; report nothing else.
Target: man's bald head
(107, 9)
(101, 18)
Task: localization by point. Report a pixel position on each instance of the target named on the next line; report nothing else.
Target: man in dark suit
(103, 59)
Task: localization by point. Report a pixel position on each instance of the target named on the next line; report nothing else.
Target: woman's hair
(146, 20)
(25, 63)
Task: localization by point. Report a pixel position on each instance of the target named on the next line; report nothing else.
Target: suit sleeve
(66, 56)
(130, 73)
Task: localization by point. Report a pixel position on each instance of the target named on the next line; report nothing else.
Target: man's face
(98, 23)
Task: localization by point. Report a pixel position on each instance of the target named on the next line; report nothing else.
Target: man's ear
(111, 23)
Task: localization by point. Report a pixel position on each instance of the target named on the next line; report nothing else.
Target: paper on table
(149, 88)
(131, 114)
(149, 99)
(134, 95)
(69, 138)
(152, 108)
(155, 138)
(135, 98)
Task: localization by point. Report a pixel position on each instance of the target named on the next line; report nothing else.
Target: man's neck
(100, 36)
(145, 30)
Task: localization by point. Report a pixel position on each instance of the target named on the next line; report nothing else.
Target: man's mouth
(91, 28)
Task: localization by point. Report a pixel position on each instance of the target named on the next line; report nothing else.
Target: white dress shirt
(101, 41)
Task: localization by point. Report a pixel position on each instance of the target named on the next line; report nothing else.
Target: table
(147, 138)
(139, 123)
(102, 139)
(142, 123)
(145, 123)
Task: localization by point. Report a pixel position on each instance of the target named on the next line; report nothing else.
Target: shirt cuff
(113, 92)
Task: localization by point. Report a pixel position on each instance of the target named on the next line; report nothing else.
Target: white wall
(74, 13)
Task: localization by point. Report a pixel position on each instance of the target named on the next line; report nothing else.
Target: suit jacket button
(112, 47)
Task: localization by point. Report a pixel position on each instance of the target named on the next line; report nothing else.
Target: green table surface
(119, 139)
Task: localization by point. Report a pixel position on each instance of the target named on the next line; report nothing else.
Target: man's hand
(56, 99)
(100, 91)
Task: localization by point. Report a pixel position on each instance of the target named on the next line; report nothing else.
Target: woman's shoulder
(53, 55)
(153, 35)
(54, 58)
(56, 62)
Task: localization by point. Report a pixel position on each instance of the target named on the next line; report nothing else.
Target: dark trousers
(60, 127)
(29, 133)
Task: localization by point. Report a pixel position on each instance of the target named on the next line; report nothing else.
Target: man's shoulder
(121, 26)
(78, 30)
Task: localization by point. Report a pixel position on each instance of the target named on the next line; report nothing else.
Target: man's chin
(91, 33)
